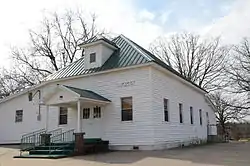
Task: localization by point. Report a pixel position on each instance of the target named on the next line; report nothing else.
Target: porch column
(79, 136)
(47, 118)
(78, 116)
(45, 137)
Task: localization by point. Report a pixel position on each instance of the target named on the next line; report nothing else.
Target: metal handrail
(55, 132)
(29, 141)
(66, 137)
(34, 132)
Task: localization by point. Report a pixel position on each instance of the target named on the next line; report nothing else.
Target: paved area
(228, 154)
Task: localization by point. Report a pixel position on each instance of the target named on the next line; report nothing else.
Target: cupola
(97, 50)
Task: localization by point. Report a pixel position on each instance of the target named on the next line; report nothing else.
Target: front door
(92, 121)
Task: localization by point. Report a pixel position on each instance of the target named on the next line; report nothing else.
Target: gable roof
(87, 94)
(128, 54)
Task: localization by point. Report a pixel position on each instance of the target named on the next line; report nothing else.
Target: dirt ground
(227, 154)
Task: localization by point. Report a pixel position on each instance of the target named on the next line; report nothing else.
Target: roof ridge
(86, 93)
(77, 88)
(73, 87)
(98, 37)
(135, 47)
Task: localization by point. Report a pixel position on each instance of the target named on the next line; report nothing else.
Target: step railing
(67, 136)
(33, 133)
(55, 132)
(30, 140)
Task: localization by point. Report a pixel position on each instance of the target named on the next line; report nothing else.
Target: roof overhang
(100, 41)
(94, 101)
(188, 83)
(70, 95)
(210, 103)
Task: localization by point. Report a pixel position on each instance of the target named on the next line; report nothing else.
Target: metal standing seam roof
(87, 94)
(128, 54)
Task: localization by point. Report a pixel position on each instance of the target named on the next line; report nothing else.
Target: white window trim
(60, 115)
(132, 108)
(16, 116)
(93, 53)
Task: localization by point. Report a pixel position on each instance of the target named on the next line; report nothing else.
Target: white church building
(118, 92)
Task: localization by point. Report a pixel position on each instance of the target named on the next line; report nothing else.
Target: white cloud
(164, 16)
(233, 26)
(146, 15)
(125, 19)
(113, 15)
(117, 17)
(190, 25)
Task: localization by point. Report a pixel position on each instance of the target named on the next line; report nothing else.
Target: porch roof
(87, 94)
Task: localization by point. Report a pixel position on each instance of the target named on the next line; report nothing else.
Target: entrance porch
(76, 99)
(71, 141)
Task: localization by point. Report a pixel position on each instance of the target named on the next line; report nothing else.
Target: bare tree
(15, 80)
(56, 44)
(200, 61)
(239, 72)
(227, 110)
(52, 47)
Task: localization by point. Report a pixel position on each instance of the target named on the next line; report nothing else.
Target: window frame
(17, 118)
(30, 96)
(91, 55)
(97, 113)
(200, 116)
(63, 115)
(129, 110)
(181, 113)
(83, 113)
(207, 116)
(166, 109)
(191, 111)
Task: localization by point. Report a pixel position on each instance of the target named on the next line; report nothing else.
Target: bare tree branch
(227, 109)
(200, 61)
(53, 46)
(238, 72)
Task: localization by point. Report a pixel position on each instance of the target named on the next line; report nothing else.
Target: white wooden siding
(109, 85)
(136, 132)
(166, 86)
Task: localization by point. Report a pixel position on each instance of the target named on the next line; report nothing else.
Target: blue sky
(141, 20)
(200, 11)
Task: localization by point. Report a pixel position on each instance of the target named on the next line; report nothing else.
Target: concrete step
(50, 152)
(63, 147)
(42, 156)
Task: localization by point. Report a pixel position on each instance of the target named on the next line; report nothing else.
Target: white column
(47, 118)
(78, 116)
